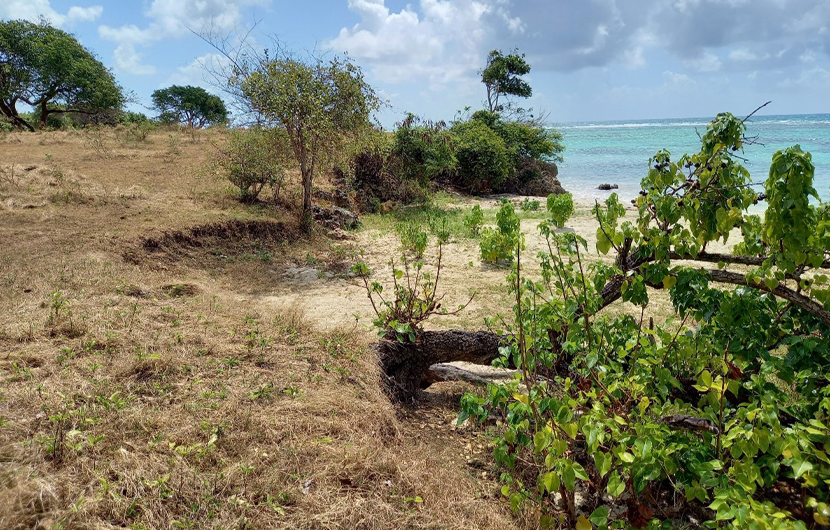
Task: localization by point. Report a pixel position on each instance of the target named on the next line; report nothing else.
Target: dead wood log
(478, 375)
(407, 365)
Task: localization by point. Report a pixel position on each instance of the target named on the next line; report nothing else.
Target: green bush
(528, 205)
(524, 140)
(251, 161)
(413, 237)
(499, 244)
(560, 208)
(713, 413)
(483, 159)
(421, 150)
(474, 220)
(128, 117)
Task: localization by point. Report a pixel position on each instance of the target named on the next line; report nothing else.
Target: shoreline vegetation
(311, 323)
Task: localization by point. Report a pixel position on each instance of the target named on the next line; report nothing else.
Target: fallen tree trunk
(471, 373)
(407, 365)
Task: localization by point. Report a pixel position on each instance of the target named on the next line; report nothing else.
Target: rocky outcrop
(536, 178)
(335, 217)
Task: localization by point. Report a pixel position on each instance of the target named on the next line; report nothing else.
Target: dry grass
(147, 381)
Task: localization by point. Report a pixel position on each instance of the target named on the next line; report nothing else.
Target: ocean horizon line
(822, 118)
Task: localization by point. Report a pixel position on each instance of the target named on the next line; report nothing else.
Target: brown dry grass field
(157, 371)
(171, 358)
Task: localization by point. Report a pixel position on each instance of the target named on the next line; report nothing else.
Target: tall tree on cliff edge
(503, 78)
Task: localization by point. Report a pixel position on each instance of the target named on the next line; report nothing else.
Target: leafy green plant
(528, 205)
(413, 237)
(483, 159)
(561, 208)
(498, 244)
(718, 414)
(422, 150)
(415, 292)
(473, 220)
(250, 160)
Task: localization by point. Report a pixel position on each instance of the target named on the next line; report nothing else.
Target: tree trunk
(308, 217)
(8, 110)
(407, 365)
(44, 112)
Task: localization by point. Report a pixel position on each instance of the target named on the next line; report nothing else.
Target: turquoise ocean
(617, 152)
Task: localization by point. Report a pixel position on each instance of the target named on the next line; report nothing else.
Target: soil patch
(231, 237)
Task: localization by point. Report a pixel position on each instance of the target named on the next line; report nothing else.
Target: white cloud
(84, 14)
(441, 43)
(743, 54)
(195, 72)
(813, 79)
(33, 10)
(171, 19)
(129, 60)
(708, 62)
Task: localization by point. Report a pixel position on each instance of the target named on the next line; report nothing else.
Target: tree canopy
(502, 77)
(316, 102)
(191, 105)
(48, 69)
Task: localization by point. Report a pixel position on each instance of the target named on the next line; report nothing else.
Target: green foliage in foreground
(497, 243)
(415, 296)
(560, 208)
(49, 70)
(722, 411)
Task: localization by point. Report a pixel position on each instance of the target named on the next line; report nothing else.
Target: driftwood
(471, 373)
(407, 365)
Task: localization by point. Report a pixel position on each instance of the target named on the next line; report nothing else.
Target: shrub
(560, 208)
(415, 296)
(251, 161)
(528, 205)
(498, 244)
(474, 220)
(524, 140)
(716, 417)
(129, 117)
(483, 160)
(413, 238)
(421, 150)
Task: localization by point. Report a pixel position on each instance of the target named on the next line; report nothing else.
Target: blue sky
(592, 59)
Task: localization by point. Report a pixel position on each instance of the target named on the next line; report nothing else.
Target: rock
(336, 196)
(606, 187)
(544, 186)
(535, 178)
(335, 217)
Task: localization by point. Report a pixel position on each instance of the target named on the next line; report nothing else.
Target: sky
(592, 60)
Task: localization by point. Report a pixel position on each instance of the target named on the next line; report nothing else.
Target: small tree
(502, 77)
(48, 69)
(316, 102)
(189, 104)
